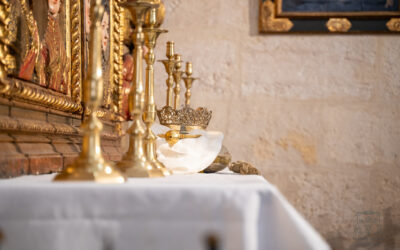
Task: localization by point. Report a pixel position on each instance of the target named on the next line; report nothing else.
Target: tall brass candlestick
(91, 165)
(169, 67)
(134, 162)
(177, 79)
(151, 34)
(188, 82)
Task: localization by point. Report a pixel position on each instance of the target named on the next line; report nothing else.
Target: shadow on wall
(369, 233)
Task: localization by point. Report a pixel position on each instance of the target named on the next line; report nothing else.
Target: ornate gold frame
(24, 91)
(13, 88)
(268, 20)
(116, 43)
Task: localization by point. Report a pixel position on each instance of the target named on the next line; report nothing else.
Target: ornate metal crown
(188, 117)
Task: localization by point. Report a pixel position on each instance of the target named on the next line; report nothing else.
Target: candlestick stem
(151, 34)
(169, 65)
(134, 162)
(177, 79)
(91, 165)
(188, 82)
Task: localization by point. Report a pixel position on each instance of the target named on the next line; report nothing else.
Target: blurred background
(317, 114)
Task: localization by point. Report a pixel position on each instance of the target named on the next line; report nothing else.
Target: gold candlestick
(91, 165)
(134, 162)
(177, 79)
(169, 67)
(188, 82)
(151, 34)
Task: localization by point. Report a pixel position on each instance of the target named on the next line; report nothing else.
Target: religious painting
(117, 48)
(42, 44)
(331, 7)
(107, 56)
(127, 63)
(127, 52)
(42, 51)
(48, 44)
(330, 16)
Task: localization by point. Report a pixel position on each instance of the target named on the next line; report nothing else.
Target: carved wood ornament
(39, 124)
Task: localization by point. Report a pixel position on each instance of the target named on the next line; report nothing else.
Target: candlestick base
(83, 170)
(140, 168)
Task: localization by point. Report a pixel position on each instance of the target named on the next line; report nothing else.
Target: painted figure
(53, 52)
(105, 37)
(31, 65)
(87, 26)
(46, 60)
(105, 26)
(127, 77)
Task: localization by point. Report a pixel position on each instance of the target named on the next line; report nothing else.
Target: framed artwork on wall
(44, 55)
(44, 41)
(329, 16)
(112, 29)
(48, 41)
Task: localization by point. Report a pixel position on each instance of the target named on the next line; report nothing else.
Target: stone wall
(317, 114)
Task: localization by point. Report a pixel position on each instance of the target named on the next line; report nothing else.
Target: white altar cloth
(173, 213)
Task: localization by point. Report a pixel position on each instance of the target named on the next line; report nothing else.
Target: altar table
(173, 213)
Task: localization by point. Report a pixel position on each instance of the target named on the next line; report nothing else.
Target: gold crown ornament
(170, 115)
(186, 117)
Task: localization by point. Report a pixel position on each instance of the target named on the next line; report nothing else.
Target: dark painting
(339, 5)
(330, 16)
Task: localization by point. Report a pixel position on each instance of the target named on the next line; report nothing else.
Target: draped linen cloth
(173, 213)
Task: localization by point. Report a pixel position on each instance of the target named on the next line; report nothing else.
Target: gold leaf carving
(268, 20)
(338, 24)
(9, 124)
(117, 48)
(394, 24)
(7, 61)
(76, 54)
(33, 93)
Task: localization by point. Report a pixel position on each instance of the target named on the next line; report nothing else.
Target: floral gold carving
(25, 90)
(7, 61)
(117, 34)
(268, 20)
(76, 51)
(394, 24)
(32, 93)
(338, 25)
(10, 124)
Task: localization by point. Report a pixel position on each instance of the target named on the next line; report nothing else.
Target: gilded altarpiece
(44, 50)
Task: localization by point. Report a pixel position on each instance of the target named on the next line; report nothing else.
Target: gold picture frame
(113, 71)
(117, 14)
(27, 91)
(40, 124)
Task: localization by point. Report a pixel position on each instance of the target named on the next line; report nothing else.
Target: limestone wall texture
(317, 114)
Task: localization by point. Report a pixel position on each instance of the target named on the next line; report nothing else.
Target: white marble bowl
(190, 155)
